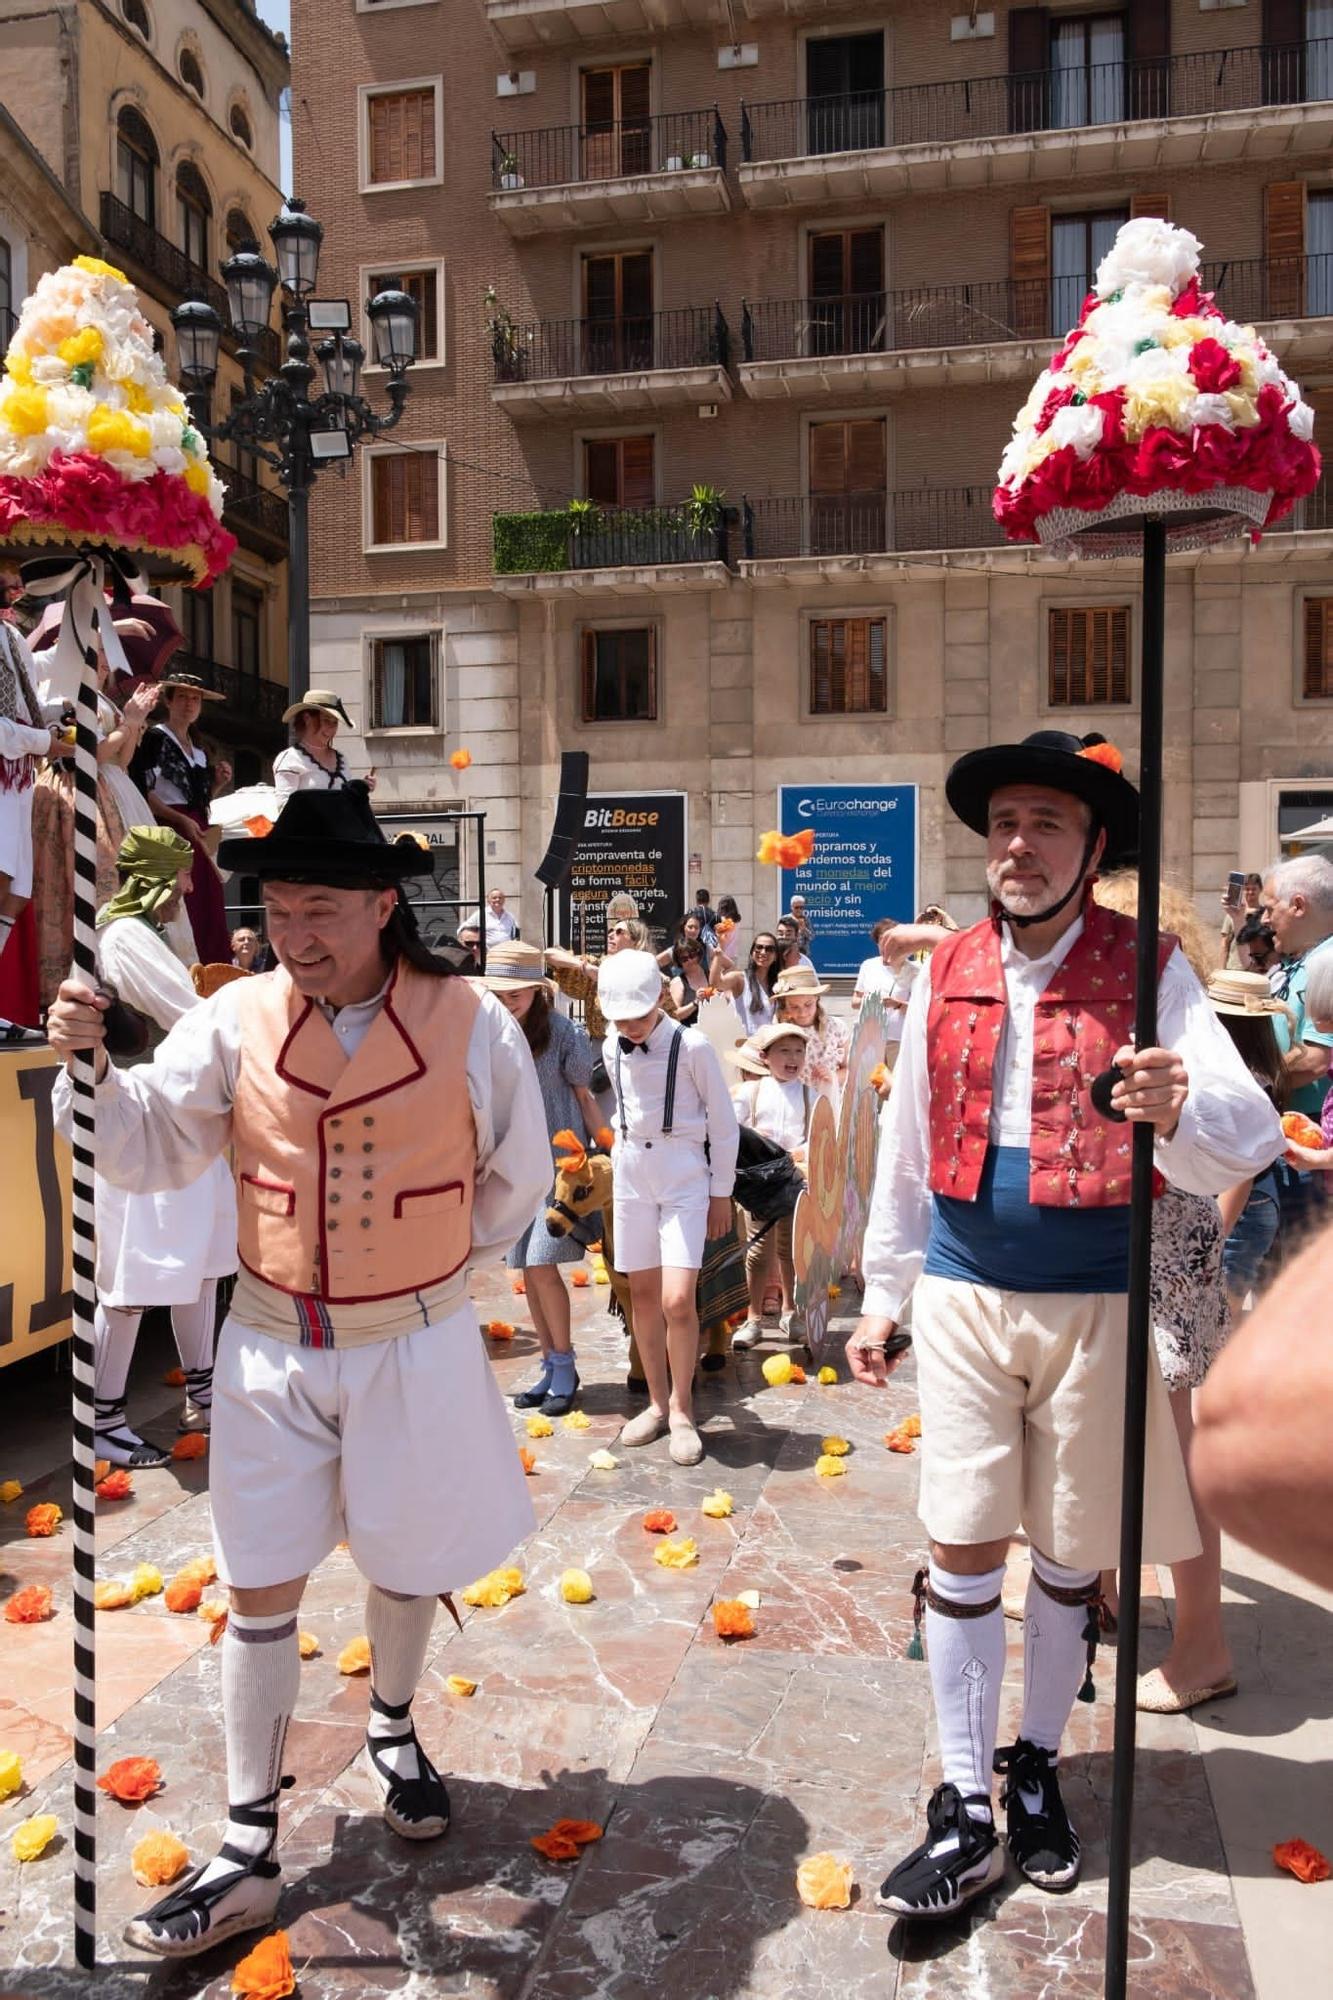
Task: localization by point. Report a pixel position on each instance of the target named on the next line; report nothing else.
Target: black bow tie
(627, 1047)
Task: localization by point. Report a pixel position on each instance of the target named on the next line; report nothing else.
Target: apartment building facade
(160, 119)
(727, 308)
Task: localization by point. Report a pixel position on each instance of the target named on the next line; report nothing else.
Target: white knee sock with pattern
(966, 1656)
(1054, 1650)
(398, 1629)
(261, 1677)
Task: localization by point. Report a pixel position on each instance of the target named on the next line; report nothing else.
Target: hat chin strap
(1044, 916)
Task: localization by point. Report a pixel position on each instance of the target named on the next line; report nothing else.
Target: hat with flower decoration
(1087, 766)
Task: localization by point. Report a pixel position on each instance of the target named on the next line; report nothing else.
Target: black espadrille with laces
(958, 1859)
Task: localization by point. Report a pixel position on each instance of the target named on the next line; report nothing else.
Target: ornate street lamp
(281, 421)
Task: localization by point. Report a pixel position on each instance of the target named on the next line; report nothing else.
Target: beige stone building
(159, 119)
(807, 260)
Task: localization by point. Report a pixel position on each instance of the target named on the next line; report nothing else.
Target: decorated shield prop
(829, 1225)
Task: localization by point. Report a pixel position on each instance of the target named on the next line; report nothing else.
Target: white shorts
(401, 1448)
(660, 1207)
(16, 840)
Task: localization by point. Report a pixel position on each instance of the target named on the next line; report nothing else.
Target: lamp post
(281, 421)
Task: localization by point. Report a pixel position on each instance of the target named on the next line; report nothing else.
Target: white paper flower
(1149, 251)
(1301, 420)
(1077, 424)
(1208, 410)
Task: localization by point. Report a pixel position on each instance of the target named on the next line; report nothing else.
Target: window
(238, 120)
(402, 136)
(1319, 250)
(136, 14)
(197, 623)
(844, 86)
(192, 76)
(1078, 244)
(848, 472)
(194, 209)
(247, 626)
(618, 312)
(405, 497)
(246, 462)
(849, 666)
(620, 472)
(620, 674)
(239, 230)
(617, 131)
(1087, 70)
(1088, 655)
(846, 304)
(403, 682)
(136, 165)
(1317, 653)
(423, 285)
(7, 321)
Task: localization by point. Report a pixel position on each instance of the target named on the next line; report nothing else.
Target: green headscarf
(150, 859)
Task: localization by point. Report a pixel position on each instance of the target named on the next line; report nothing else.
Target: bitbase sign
(863, 867)
(632, 843)
(35, 1299)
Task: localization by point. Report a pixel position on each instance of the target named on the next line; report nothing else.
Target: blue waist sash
(1003, 1240)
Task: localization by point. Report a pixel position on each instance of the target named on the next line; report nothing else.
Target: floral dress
(1190, 1312)
(826, 1052)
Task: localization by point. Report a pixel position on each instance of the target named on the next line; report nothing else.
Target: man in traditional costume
(993, 1162)
(387, 1132)
(170, 1247)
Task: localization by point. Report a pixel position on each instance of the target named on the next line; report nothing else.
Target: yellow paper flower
(19, 366)
(829, 1468)
(211, 1609)
(824, 1883)
(146, 1582)
(355, 1656)
(677, 1555)
(576, 1587)
(307, 1645)
(599, 1277)
(539, 1426)
(603, 1461)
(97, 269)
(116, 430)
(158, 1858)
(495, 1588)
(718, 1505)
(23, 410)
(197, 477)
(85, 345)
(34, 1836)
(834, 1447)
(138, 399)
(460, 1685)
(576, 1420)
(827, 1376)
(11, 1773)
(777, 1370)
(10, 1490)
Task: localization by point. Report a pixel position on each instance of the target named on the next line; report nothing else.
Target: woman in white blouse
(312, 764)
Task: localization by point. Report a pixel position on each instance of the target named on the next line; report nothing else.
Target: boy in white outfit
(674, 1167)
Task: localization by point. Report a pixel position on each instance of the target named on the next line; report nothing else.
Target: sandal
(115, 1441)
(417, 1808)
(198, 1915)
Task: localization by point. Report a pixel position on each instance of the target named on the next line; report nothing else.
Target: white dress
(159, 1249)
(295, 770)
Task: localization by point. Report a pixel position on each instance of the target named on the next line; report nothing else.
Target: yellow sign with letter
(35, 1299)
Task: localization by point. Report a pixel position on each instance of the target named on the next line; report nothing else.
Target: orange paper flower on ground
(824, 1883)
(183, 1593)
(578, 1279)
(899, 1441)
(43, 1520)
(174, 1378)
(116, 1486)
(563, 1841)
(158, 1859)
(732, 1619)
(528, 1460)
(307, 1645)
(1306, 1863)
(500, 1329)
(101, 1467)
(797, 1372)
(111, 1595)
(517, 1287)
(200, 1569)
(1301, 1131)
(10, 1489)
(460, 759)
(131, 1779)
(193, 1445)
(29, 1606)
(911, 1426)
(660, 1521)
(266, 1972)
(355, 1657)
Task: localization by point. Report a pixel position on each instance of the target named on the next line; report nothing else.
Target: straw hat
(512, 966)
(191, 682)
(747, 1059)
(318, 698)
(1243, 993)
(762, 1040)
(798, 982)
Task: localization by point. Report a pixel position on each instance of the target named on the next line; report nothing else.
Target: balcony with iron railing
(869, 524)
(933, 334)
(645, 361)
(563, 24)
(1225, 104)
(635, 170)
(255, 514)
(683, 544)
(247, 698)
(175, 275)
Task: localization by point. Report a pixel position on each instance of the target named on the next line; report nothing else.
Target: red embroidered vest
(1078, 1158)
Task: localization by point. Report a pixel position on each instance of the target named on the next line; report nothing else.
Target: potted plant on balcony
(702, 514)
(507, 339)
(675, 163)
(586, 539)
(510, 177)
(699, 160)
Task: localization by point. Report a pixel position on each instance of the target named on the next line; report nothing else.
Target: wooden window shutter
(1150, 204)
(638, 487)
(828, 458)
(865, 261)
(599, 96)
(867, 455)
(1284, 248)
(821, 667)
(1283, 24)
(1029, 66)
(1317, 675)
(402, 135)
(1030, 271)
(1088, 655)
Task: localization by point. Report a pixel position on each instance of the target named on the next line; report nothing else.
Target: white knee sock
(114, 1333)
(398, 1629)
(261, 1675)
(1054, 1650)
(966, 1671)
(193, 1326)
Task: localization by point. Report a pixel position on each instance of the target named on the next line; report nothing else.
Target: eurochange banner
(864, 865)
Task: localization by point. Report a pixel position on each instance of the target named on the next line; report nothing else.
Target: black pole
(479, 820)
(1139, 1329)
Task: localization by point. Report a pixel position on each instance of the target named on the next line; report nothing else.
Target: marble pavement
(713, 1768)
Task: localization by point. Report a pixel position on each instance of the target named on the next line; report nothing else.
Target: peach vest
(1078, 1158)
(354, 1176)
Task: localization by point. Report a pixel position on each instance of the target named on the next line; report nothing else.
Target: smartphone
(896, 1344)
(1235, 889)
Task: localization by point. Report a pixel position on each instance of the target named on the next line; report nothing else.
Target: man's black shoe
(1039, 1835)
(944, 1873)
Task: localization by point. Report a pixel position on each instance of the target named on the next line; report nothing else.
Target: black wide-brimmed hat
(1087, 766)
(329, 838)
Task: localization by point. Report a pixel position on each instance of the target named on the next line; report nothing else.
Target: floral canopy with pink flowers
(96, 445)
(1156, 397)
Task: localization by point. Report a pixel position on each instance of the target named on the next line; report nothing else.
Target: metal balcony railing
(250, 505)
(610, 538)
(689, 337)
(249, 697)
(987, 107)
(1271, 287)
(176, 274)
(865, 524)
(560, 155)
(1310, 515)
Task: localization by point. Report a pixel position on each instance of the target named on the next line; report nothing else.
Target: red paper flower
(193, 1445)
(1306, 1863)
(29, 1606)
(132, 1779)
(1212, 367)
(659, 1521)
(116, 1486)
